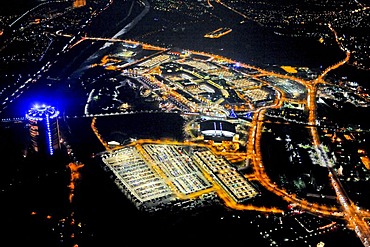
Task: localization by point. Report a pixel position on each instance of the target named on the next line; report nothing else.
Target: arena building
(217, 130)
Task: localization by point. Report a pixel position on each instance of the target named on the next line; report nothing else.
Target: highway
(354, 215)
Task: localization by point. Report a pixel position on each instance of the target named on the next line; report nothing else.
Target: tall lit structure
(44, 129)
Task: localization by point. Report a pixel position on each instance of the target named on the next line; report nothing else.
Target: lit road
(253, 146)
(354, 216)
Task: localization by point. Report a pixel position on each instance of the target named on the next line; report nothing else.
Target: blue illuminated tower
(44, 129)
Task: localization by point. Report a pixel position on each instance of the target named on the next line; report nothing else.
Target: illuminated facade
(43, 128)
(79, 3)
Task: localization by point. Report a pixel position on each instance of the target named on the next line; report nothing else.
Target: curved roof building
(217, 129)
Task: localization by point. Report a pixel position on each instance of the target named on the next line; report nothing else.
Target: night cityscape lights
(247, 118)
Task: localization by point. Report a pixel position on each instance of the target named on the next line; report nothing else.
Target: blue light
(248, 115)
(233, 114)
(44, 113)
(50, 141)
(39, 112)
